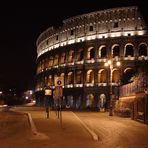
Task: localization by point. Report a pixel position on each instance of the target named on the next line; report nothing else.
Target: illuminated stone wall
(78, 50)
(101, 24)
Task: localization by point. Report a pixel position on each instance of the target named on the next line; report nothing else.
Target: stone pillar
(84, 77)
(121, 46)
(65, 79)
(95, 76)
(74, 75)
(136, 51)
(95, 101)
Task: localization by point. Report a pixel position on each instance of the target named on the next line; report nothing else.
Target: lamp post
(1, 95)
(109, 64)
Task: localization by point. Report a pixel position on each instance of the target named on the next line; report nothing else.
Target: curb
(33, 127)
(38, 136)
(93, 134)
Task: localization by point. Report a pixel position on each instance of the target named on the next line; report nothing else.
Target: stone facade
(79, 48)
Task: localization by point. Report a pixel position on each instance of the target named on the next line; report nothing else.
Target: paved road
(14, 129)
(113, 132)
(116, 132)
(72, 133)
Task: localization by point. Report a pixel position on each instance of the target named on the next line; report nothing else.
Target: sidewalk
(14, 130)
(116, 132)
(51, 134)
(113, 132)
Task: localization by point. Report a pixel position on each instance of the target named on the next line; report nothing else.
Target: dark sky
(20, 25)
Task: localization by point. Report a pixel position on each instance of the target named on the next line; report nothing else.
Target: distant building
(28, 96)
(78, 49)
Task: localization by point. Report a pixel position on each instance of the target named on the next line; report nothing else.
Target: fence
(138, 85)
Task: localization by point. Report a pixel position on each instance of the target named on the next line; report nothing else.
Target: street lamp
(1, 95)
(109, 64)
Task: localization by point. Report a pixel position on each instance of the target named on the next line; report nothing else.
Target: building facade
(78, 49)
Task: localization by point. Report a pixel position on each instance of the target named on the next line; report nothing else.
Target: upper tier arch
(115, 22)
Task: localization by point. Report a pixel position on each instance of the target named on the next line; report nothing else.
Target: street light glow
(106, 64)
(118, 63)
(110, 64)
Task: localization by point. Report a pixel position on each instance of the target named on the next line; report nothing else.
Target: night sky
(20, 25)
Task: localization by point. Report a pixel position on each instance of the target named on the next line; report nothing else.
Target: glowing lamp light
(109, 62)
(118, 63)
(31, 92)
(106, 64)
(140, 32)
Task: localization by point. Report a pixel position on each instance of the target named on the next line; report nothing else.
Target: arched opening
(70, 79)
(115, 51)
(50, 80)
(90, 53)
(62, 75)
(46, 80)
(46, 62)
(79, 77)
(78, 102)
(80, 55)
(51, 61)
(39, 67)
(102, 51)
(127, 75)
(71, 56)
(89, 101)
(55, 77)
(115, 76)
(102, 76)
(56, 60)
(42, 83)
(42, 64)
(142, 49)
(129, 50)
(63, 58)
(90, 76)
(102, 102)
(70, 102)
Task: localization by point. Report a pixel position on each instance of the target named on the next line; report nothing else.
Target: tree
(141, 75)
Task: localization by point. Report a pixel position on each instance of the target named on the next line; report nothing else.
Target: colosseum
(78, 50)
